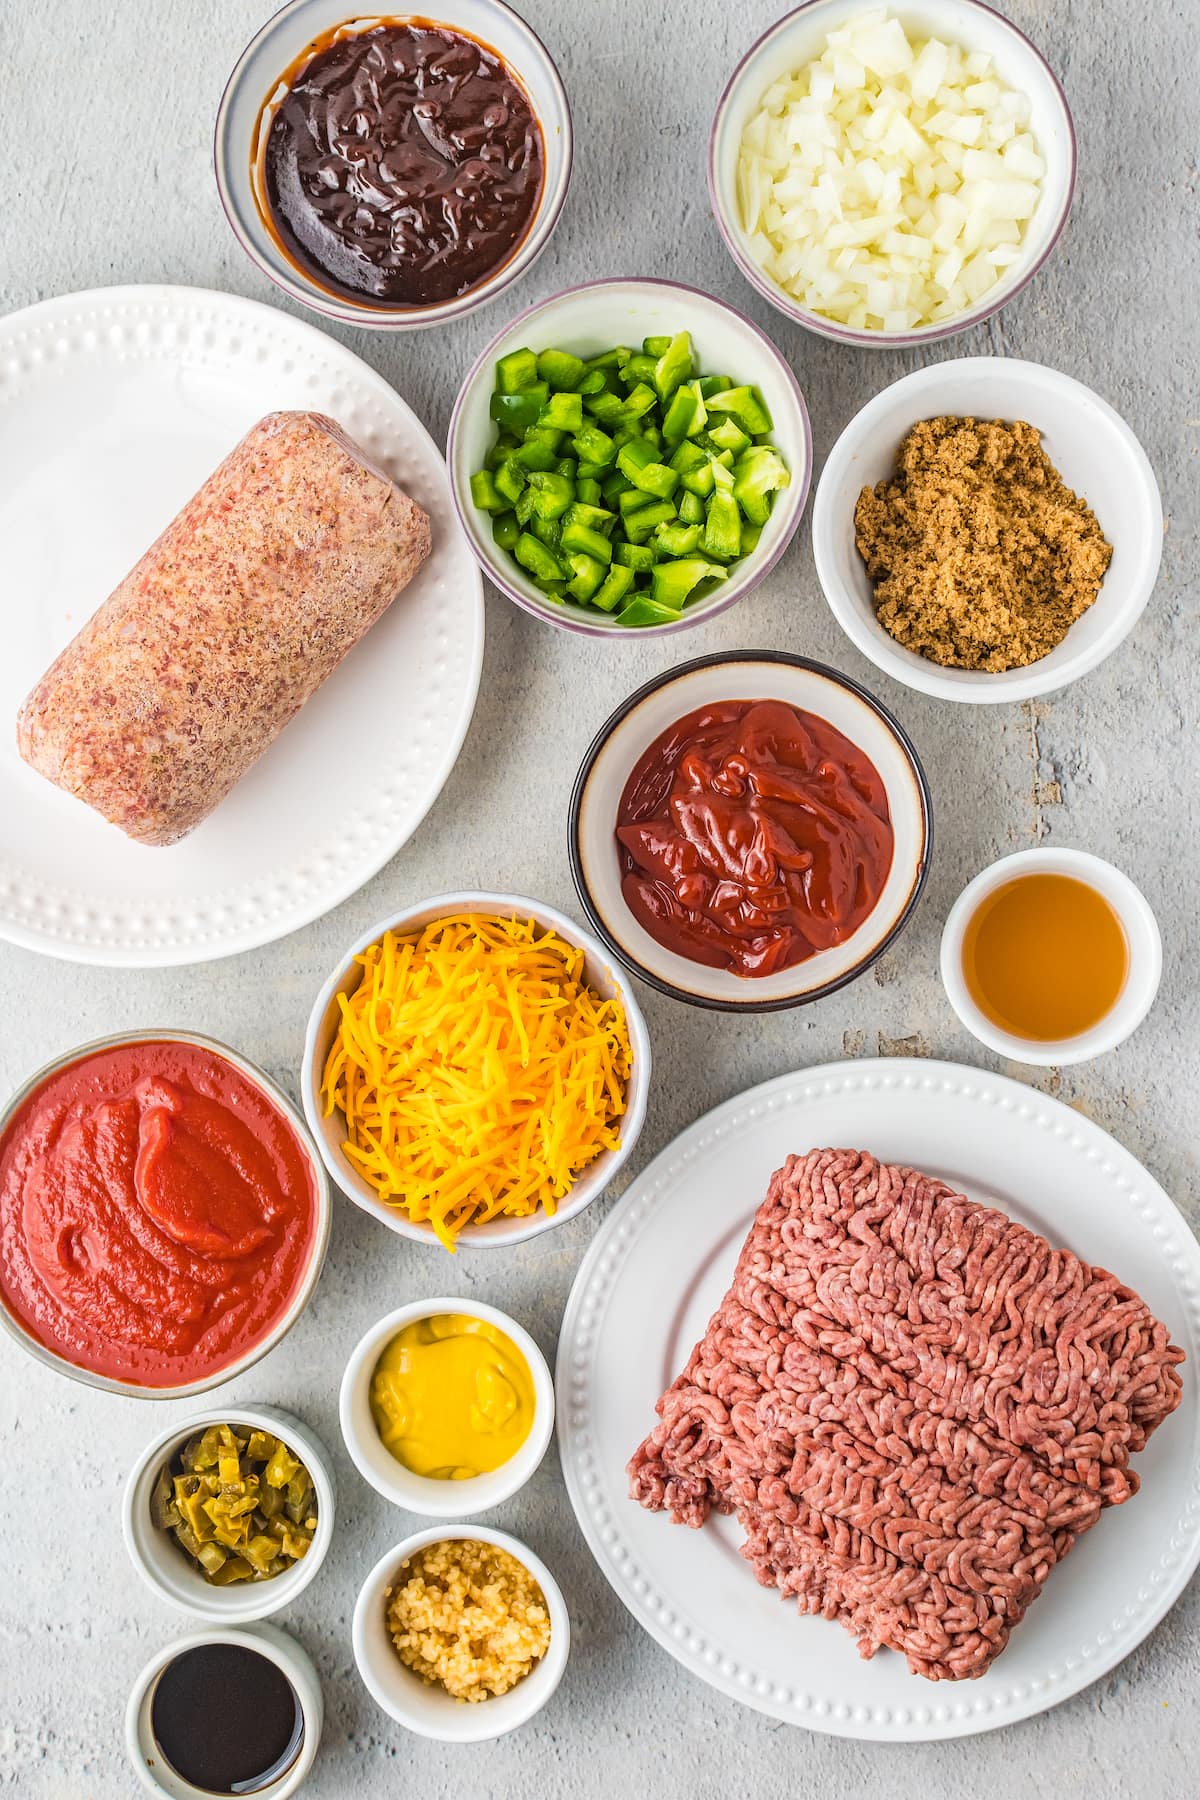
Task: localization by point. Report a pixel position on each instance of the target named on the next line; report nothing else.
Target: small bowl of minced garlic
(987, 530)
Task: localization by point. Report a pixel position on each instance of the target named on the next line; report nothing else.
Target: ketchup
(157, 1213)
(751, 836)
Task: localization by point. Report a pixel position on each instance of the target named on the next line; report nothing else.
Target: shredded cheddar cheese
(477, 1072)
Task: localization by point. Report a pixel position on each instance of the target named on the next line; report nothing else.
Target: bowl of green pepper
(629, 455)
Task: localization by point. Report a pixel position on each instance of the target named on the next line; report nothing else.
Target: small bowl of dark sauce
(393, 170)
(225, 1712)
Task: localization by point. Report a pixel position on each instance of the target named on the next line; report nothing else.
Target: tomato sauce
(157, 1212)
(753, 835)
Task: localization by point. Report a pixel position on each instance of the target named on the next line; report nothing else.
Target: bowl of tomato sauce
(164, 1214)
(750, 831)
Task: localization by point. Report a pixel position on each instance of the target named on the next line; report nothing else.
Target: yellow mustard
(452, 1397)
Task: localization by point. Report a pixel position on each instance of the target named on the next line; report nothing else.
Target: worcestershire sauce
(404, 164)
(226, 1719)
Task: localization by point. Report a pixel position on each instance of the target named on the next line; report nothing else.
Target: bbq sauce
(226, 1719)
(403, 165)
(752, 836)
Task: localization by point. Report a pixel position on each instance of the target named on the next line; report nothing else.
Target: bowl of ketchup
(750, 831)
(163, 1214)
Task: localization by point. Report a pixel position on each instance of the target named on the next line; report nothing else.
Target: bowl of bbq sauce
(225, 1712)
(750, 831)
(393, 170)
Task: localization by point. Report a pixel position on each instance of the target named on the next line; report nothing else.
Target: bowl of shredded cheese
(475, 1070)
(890, 174)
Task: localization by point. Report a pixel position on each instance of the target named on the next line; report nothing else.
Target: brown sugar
(980, 556)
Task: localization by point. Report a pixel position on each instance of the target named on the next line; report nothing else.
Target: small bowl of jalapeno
(229, 1515)
(629, 455)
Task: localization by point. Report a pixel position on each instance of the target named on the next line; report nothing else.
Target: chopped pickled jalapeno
(238, 1502)
(626, 483)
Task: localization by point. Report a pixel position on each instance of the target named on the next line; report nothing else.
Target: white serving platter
(114, 407)
(659, 1267)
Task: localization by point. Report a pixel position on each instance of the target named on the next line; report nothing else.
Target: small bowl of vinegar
(1051, 956)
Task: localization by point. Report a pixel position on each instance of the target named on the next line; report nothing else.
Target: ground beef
(913, 1404)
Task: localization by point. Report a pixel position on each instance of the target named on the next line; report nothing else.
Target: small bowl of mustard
(447, 1407)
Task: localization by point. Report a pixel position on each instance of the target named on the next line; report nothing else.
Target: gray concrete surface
(108, 108)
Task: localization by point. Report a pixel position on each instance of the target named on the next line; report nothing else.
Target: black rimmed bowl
(747, 675)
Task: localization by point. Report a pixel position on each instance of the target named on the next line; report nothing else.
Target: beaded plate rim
(635, 1586)
(147, 323)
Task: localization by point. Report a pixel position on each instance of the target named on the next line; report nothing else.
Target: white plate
(114, 407)
(658, 1268)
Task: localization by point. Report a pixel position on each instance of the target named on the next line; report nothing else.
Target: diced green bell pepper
(587, 541)
(640, 524)
(509, 478)
(546, 531)
(691, 508)
(516, 372)
(587, 488)
(680, 414)
(562, 412)
(642, 610)
(593, 445)
(596, 518)
(758, 473)
(587, 574)
(484, 495)
(678, 540)
(656, 346)
(552, 494)
(725, 435)
(560, 369)
(506, 530)
(519, 412)
(746, 405)
(672, 582)
(714, 384)
(608, 408)
(613, 588)
(638, 401)
(635, 556)
(539, 559)
(594, 382)
(673, 366)
(640, 367)
(723, 528)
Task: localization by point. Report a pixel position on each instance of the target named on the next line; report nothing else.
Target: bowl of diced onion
(891, 175)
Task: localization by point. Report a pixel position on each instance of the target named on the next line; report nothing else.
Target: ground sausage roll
(253, 594)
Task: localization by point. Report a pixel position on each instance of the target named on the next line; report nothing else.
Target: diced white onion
(889, 183)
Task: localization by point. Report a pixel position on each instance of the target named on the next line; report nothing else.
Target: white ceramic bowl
(605, 977)
(376, 1464)
(746, 675)
(798, 39)
(151, 1767)
(320, 1235)
(428, 1709)
(172, 1575)
(1094, 451)
(1141, 931)
(255, 79)
(588, 320)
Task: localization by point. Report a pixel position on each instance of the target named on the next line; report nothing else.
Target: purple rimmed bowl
(256, 80)
(590, 319)
(799, 38)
